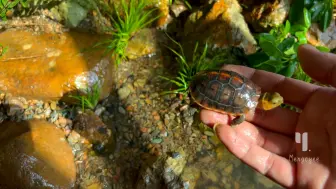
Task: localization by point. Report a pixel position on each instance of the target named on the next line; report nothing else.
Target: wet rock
(318, 38)
(173, 169)
(190, 176)
(222, 24)
(35, 154)
(144, 43)
(99, 110)
(124, 92)
(54, 66)
(140, 83)
(72, 12)
(165, 19)
(178, 7)
(264, 15)
(188, 115)
(15, 105)
(90, 126)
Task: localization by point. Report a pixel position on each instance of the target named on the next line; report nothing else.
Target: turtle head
(270, 100)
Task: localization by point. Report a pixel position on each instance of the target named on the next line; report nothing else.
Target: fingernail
(216, 127)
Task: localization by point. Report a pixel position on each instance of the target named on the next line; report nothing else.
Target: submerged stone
(91, 127)
(34, 154)
(47, 66)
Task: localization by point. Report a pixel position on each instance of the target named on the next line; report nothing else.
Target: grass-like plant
(90, 100)
(188, 69)
(128, 19)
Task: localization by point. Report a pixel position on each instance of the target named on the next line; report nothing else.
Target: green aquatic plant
(90, 99)
(187, 69)
(7, 5)
(128, 19)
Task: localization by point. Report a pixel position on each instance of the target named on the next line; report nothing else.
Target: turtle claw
(238, 120)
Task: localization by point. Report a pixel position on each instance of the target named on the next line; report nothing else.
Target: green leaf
(301, 37)
(270, 65)
(323, 49)
(298, 27)
(257, 58)
(270, 49)
(266, 37)
(286, 44)
(316, 11)
(296, 10)
(307, 18)
(326, 19)
(287, 27)
(289, 70)
(13, 4)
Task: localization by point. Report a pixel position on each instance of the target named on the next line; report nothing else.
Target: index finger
(294, 92)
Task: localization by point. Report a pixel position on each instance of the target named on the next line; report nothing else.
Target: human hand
(266, 139)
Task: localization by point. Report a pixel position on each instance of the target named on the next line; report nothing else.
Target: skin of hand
(266, 139)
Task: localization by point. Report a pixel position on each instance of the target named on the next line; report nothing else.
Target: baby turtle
(231, 93)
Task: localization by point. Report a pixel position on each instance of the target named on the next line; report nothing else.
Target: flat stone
(53, 65)
(34, 154)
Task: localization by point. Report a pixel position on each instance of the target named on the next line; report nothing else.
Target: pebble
(121, 110)
(140, 83)
(157, 140)
(53, 105)
(124, 92)
(100, 110)
(144, 129)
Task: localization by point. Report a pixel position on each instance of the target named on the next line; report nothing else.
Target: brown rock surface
(91, 127)
(47, 66)
(34, 154)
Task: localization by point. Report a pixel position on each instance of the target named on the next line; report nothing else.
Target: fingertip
(306, 52)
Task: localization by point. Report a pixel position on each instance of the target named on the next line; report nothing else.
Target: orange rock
(47, 66)
(34, 154)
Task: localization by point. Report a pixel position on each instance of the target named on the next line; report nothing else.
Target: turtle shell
(224, 91)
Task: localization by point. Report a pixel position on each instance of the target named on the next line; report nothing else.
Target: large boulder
(35, 154)
(47, 66)
(222, 25)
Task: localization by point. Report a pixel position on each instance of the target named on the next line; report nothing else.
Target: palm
(266, 139)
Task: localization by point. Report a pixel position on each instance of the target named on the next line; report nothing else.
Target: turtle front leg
(238, 120)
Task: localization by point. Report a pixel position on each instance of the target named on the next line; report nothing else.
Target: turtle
(231, 93)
